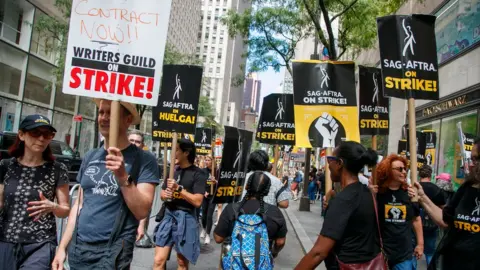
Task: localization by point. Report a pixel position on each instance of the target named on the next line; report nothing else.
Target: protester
(459, 248)
(117, 190)
(234, 222)
(207, 206)
(444, 182)
(184, 194)
(399, 216)
(430, 229)
(258, 161)
(350, 230)
(321, 184)
(312, 187)
(30, 182)
(296, 183)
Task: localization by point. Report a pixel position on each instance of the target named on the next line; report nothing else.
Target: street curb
(302, 236)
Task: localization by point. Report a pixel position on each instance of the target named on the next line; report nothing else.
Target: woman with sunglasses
(459, 247)
(33, 191)
(350, 232)
(398, 215)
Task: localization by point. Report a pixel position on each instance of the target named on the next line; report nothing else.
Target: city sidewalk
(307, 225)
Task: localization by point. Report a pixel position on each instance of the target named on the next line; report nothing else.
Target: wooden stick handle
(374, 169)
(172, 155)
(165, 163)
(114, 124)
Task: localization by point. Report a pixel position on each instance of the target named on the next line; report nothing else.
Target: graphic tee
(396, 213)
(102, 198)
(464, 218)
(276, 225)
(22, 185)
(193, 180)
(350, 221)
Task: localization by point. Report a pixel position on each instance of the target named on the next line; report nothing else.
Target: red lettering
(139, 86)
(88, 78)
(124, 84)
(101, 81)
(113, 83)
(150, 88)
(75, 80)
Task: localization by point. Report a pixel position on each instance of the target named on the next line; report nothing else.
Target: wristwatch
(179, 188)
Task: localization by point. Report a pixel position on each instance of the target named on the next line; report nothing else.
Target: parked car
(62, 152)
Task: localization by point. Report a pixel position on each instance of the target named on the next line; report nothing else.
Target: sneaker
(202, 234)
(207, 239)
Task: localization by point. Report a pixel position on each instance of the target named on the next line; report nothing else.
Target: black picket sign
(408, 55)
(233, 167)
(203, 141)
(276, 124)
(430, 145)
(421, 148)
(374, 119)
(177, 106)
(402, 147)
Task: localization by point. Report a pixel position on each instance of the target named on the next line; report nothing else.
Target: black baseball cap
(35, 121)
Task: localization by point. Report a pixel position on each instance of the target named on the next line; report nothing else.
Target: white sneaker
(203, 233)
(207, 239)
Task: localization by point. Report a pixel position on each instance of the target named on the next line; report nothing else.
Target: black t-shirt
(464, 219)
(193, 180)
(350, 221)
(276, 225)
(435, 194)
(396, 213)
(22, 185)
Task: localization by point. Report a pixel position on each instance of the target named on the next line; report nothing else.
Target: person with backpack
(461, 215)
(117, 190)
(350, 233)
(33, 191)
(252, 221)
(430, 229)
(183, 195)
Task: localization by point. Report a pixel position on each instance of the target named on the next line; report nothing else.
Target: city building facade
(458, 39)
(183, 23)
(251, 94)
(222, 59)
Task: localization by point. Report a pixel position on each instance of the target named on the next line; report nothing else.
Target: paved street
(209, 257)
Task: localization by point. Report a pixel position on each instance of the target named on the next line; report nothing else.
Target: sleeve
(62, 174)
(225, 223)
(336, 218)
(285, 194)
(148, 170)
(200, 182)
(282, 229)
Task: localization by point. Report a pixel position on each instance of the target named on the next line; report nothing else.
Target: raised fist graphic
(327, 126)
(429, 159)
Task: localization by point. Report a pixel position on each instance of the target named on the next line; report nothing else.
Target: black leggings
(207, 214)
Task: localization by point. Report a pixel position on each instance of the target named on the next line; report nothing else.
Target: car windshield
(60, 148)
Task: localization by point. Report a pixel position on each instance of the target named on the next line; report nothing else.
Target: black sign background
(373, 105)
(277, 119)
(430, 145)
(203, 147)
(421, 147)
(178, 101)
(394, 41)
(402, 147)
(233, 167)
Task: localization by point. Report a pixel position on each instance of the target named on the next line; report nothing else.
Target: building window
(64, 101)
(218, 70)
(38, 85)
(456, 29)
(42, 44)
(86, 107)
(210, 70)
(11, 20)
(11, 65)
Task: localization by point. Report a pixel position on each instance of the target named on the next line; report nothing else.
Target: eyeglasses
(333, 158)
(135, 141)
(48, 135)
(400, 169)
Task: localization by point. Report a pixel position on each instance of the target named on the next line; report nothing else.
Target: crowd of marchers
(388, 224)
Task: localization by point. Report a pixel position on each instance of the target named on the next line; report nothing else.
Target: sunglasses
(48, 135)
(400, 169)
(333, 158)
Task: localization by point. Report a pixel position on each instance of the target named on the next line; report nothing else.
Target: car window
(7, 141)
(61, 148)
(56, 149)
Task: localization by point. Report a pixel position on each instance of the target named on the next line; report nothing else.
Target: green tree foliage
(272, 28)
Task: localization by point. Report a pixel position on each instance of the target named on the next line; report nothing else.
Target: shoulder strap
(282, 189)
(378, 223)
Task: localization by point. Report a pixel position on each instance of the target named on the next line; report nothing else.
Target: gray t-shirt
(275, 186)
(102, 195)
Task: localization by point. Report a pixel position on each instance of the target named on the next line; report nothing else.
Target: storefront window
(64, 101)
(29, 109)
(87, 136)
(457, 28)
(12, 63)
(8, 110)
(435, 126)
(449, 158)
(43, 44)
(38, 85)
(63, 124)
(87, 107)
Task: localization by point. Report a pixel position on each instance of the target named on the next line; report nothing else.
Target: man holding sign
(117, 190)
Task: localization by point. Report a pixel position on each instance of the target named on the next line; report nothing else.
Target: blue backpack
(250, 246)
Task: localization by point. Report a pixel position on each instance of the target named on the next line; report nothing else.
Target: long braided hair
(258, 185)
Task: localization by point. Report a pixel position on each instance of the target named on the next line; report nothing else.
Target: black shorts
(36, 256)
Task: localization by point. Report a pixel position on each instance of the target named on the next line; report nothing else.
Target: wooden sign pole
(374, 169)
(328, 179)
(275, 161)
(172, 155)
(213, 168)
(165, 161)
(114, 124)
(412, 136)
